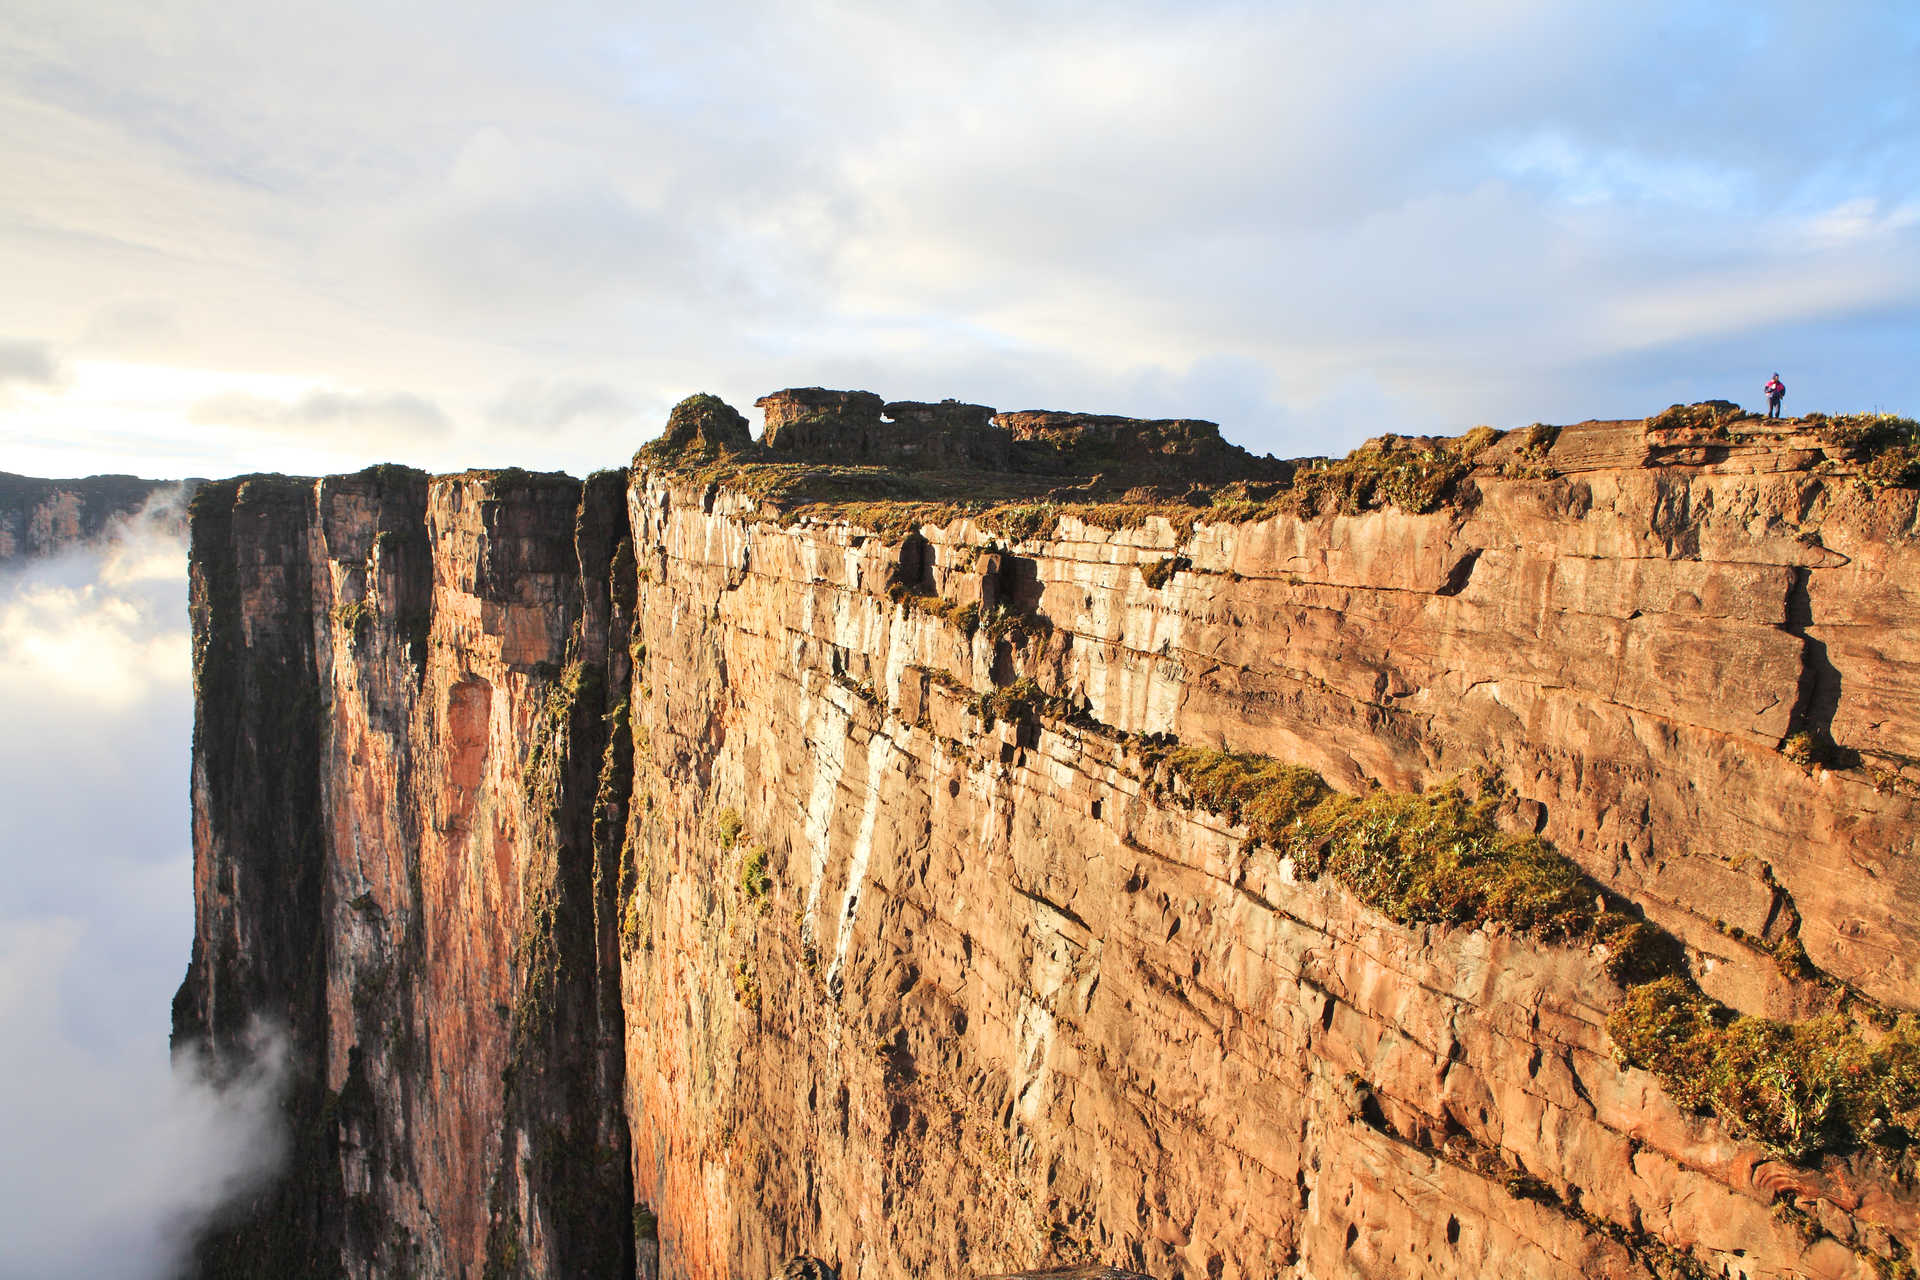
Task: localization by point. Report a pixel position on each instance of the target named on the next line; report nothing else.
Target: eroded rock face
(842, 427)
(649, 893)
(395, 793)
(819, 425)
(1159, 449)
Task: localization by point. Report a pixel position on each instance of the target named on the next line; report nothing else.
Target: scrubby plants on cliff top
(1417, 476)
(1711, 416)
(1797, 1089)
(1888, 447)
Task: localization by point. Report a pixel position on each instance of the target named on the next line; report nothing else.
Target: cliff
(1475, 856)
(41, 517)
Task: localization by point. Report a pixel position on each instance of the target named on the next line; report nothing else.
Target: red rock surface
(856, 973)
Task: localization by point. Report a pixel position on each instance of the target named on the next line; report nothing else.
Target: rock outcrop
(1154, 450)
(705, 425)
(662, 875)
(857, 427)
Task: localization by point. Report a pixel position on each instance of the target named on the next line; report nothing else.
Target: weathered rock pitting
(657, 881)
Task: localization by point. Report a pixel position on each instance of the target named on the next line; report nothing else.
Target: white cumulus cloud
(116, 1150)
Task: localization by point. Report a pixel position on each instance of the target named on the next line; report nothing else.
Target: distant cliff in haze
(42, 517)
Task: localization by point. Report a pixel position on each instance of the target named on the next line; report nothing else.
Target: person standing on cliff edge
(1776, 392)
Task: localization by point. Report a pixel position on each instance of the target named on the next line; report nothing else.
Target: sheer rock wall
(645, 888)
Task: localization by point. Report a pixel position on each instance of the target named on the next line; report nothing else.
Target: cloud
(553, 405)
(324, 413)
(115, 1157)
(116, 1149)
(1408, 217)
(25, 363)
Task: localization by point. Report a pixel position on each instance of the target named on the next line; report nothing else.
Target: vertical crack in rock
(1817, 698)
(562, 1197)
(371, 529)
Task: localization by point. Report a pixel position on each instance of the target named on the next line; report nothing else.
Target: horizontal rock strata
(658, 880)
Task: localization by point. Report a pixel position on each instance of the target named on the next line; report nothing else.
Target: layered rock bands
(647, 887)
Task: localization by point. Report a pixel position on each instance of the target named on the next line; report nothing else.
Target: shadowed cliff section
(955, 843)
(428, 916)
(260, 943)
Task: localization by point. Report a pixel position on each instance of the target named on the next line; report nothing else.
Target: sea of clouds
(116, 1148)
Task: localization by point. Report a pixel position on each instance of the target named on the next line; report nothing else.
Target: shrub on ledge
(1796, 1089)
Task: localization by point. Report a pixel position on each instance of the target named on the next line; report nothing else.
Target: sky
(308, 237)
(114, 1151)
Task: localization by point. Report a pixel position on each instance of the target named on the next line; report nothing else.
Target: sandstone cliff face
(649, 889)
(396, 770)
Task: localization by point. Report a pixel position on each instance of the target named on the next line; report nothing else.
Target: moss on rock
(1797, 1089)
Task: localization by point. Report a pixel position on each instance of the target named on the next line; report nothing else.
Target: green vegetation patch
(1015, 625)
(727, 826)
(1022, 701)
(1797, 1089)
(746, 982)
(1160, 572)
(1435, 857)
(964, 616)
(357, 619)
(1711, 416)
(552, 731)
(1021, 522)
(1414, 475)
(756, 882)
(1886, 446)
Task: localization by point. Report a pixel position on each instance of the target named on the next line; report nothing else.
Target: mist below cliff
(116, 1151)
